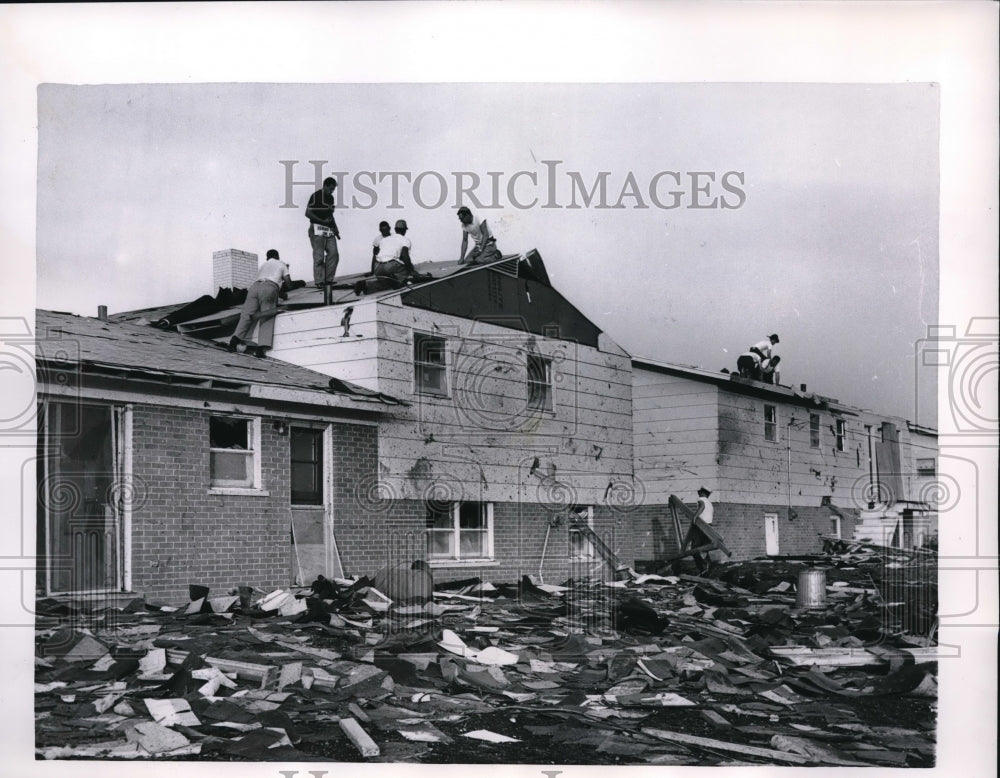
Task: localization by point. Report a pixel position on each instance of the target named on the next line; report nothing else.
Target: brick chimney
(232, 268)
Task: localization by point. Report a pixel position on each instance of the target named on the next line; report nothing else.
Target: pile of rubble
(650, 669)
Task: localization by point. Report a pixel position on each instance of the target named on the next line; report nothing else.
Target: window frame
(318, 434)
(837, 525)
(455, 508)
(771, 425)
(840, 433)
(253, 451)
(419, 365)
(815, 431)
(590, 552)
(548, 399)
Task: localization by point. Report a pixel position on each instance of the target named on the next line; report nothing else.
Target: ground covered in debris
(651, 669)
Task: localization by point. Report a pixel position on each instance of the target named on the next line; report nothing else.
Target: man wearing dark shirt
(323, 233)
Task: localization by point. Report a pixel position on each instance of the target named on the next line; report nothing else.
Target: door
(79, 469)
(309, 504)
(771, 534)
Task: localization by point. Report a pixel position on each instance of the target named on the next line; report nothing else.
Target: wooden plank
(359, 738)
(720, 745)
(266, 674)
(847, 657)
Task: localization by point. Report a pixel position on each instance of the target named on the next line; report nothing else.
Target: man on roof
(262, 296)
(323, 233)
(384, 231)
(770, 371)
(393, 259)
(484, 248)
(749, 363)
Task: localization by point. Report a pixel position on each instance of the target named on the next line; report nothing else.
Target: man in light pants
(323, 233)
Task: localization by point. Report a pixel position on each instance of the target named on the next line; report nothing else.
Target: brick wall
(392, 532)
(742, 528)
(183, 534)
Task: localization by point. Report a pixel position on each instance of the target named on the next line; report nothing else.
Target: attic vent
(508, 267)
(495, 290)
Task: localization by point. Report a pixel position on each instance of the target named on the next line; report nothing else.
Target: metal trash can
(811, 591)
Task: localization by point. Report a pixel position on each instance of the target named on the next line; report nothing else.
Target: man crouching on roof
(262, 296)
(393, 258)
(484, 247)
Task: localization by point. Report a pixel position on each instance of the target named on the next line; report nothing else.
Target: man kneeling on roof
(262, 297)
(484, 248)
(749, 363)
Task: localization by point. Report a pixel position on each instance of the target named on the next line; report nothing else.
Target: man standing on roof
(383, 233)
(484, 247)
(262, 296)
(393, 260)
(749, 363)
(323, 233)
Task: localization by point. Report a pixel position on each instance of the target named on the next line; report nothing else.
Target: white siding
(481, 440)
(676, 429)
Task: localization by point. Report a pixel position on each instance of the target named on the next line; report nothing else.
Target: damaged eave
(329, 399)
(126, 373)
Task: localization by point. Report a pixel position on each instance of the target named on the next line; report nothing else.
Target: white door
(771, 534)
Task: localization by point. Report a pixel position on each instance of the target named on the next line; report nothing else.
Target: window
(539, 383)
(813, 430)
(307, 466)
(580, 546)
(429, 364)
(460, 531)
(770, 422)
(835, 526)
(841, 433)
(233, 443)
(926, 467)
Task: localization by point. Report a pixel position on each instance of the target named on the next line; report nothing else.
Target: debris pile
(653, 669)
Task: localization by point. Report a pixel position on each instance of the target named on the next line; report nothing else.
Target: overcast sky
(824, 230)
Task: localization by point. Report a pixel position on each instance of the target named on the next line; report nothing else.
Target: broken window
(841, 433)
(770, 422)
(579, 546)
(926, 467)
(429, 364)
(813, 430)
(539, 383)
(460, 531)
(307, 466)
(232, 446)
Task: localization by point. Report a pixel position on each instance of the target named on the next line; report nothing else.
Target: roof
(734, 382)
(131, 351)
(221, 322)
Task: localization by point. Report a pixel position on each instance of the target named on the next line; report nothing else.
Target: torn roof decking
(513, 292)
(134, 352)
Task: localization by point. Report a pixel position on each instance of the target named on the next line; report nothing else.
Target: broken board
(699, 532)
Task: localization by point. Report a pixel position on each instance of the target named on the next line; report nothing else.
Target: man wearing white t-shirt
(384, 232)
(484, 246)
(393, 258)
(262, 296)
(705, 512)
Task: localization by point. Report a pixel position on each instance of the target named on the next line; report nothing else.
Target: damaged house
(476, 420)
(162, 459)
(785, 466)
